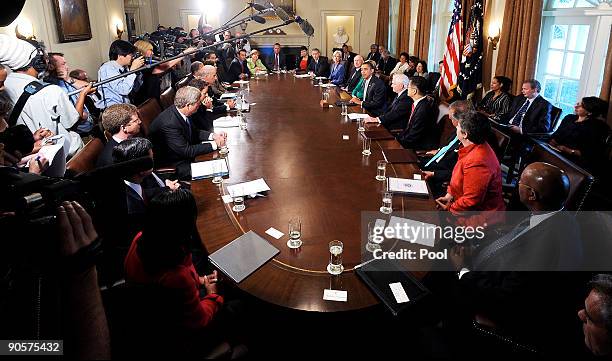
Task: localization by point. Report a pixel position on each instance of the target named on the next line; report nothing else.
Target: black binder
(379, 274)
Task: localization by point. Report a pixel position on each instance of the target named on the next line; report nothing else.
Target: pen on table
(363, 263)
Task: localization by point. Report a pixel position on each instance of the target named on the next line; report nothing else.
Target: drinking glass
(217, 172)
(360, 125)
(295, 233)
(335, 257)
(371, 245)
(381, 170)
(238, 198)
(243, 121)
(367, 142)
(223, 150)
(387, 203)
(344, 109)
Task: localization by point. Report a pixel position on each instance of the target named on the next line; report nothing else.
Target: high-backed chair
(555, 119)
(499, 141)
(147, 112)
(85, 159)
(167, 98)
(183, 82)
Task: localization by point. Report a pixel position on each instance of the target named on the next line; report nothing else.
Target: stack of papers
(328, 85)
(355, 116)
(408, 186)
(302, 76)
(241, 82)
(261, 73)
(248, 188)
(202, 170)
(228, 96)
(244, 106)
(227, 122)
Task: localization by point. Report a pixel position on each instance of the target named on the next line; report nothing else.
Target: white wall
(87, 55)
(169, 15)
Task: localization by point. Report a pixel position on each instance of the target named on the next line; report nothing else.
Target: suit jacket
(203, 119)
(235, 69)
(386, 66)
(398, 112)
(375, 96)
(320, 68)
(337, 75)
(375, 57)
(106, 157)
(353, 79)
(422, 131)
(537, 119)
(281, 60)
(172, 144)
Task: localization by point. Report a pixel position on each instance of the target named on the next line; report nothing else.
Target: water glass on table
(387, 203)
(295, 233)
(217, 172)
(238, 198)
(372, 244)
(335, 266)
(367, 142)
(381, 170)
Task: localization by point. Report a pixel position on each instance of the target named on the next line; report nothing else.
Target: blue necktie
(189, 128)
(442, 151)
(519, 115)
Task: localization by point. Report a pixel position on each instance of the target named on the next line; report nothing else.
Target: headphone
(39, 62)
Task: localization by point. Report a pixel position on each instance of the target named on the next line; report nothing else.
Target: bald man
(354, 74)
(208, 74)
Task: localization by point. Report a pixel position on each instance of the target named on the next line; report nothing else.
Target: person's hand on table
(231, 103)
(432, 152)
(173, 185)
(443, 203)
(371, 120)
(220, 139)
(210, 283)
(427, 174)
(356, 100)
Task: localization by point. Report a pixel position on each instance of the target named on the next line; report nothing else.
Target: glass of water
(372, 244)
(344, 109)
(238, 198)
(223, 150)
(217, 172)
(295, 233)
(381, 170)
(360, 125)
(367, 142)
(387, 203)
(335, 266)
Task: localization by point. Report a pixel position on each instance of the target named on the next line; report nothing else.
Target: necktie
(501, 242)
(189, 128)
(442, 151)
(411, 114)
(365, 89)
(277, 62)
(242, 67)
(519, 115)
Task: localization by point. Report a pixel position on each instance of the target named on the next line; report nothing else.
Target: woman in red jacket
(160, 257)
(476, 182)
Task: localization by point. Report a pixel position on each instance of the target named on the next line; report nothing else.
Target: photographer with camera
(122, 59)
(38, 105)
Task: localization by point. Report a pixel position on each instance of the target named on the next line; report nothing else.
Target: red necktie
(411, 114)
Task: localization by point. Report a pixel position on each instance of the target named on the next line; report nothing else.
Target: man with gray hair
(176, 141)
(439, 168)
(398, 112)
(354, 75)
(596, 316)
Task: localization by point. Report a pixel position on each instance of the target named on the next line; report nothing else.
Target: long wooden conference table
(297, 147)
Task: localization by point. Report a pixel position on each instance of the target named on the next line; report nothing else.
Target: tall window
(442, 15)
(572, 50)
(393, 24)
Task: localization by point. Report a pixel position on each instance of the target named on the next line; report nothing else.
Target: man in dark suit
(238, 69)
(354, 74)
(208, 74)
(276, 62)
(121, 121)
(374, 54)
(347, 55)
(374, 91)
(175, 140)
(386, 63)
(319, 66)
(398, 112)
(531, 112)
(422, 130)
(438, 164)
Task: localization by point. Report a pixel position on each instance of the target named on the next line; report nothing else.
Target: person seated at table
(374, 54)
(398, 112)
(530, 113)
(254, 63)
(421, 132)
(319, 65)
(582, 136)
(302, 62)
(336, 75)
(217, 87)
(212, 59)
(276, 62)
(354, 76)
(476, 181)
(203, 119)
(386, 64)
(208, 74)
(238, 69)
(421, 69)
(401, 66)
(437, 170)
(497, 102)
(176, 141)
(160, 257)
(122, 122)
(374, 93)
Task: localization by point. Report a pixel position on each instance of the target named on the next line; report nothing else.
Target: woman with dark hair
(160, 256)
(303, 61)
(421, 69)
(581, 136)
(476, 182)
(497, 102)
(401, 66)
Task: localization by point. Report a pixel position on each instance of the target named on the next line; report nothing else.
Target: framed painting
(72, 18)
(287, 5)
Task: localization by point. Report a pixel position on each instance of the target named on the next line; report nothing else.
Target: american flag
(452, 54)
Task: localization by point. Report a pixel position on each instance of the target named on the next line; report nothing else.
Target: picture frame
(72, 19)
(288, 5)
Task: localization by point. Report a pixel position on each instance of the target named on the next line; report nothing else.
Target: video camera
(169, 42)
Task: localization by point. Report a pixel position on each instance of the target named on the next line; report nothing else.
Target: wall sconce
(494, 32)
(119, 29)
(24, 30)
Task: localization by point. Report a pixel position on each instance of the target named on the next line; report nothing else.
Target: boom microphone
(304, 24)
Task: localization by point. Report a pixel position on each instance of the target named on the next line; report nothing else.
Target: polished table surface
(298, 148)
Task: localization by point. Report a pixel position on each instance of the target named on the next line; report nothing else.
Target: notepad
(302, 76)
(328, 85)
(408, 186)
(248, 188)
(227, 122)
(202, 170)
(355, 116)
(228, 96)
(243, 256)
